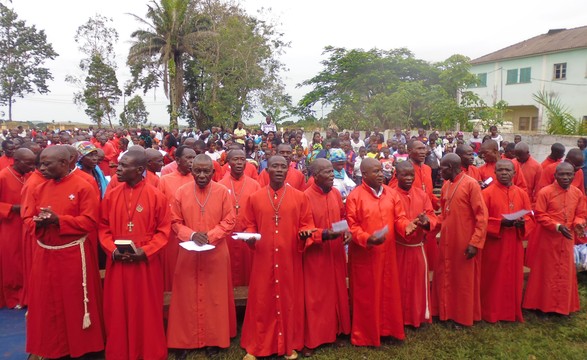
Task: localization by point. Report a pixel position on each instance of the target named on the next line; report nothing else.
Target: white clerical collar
(376, 193)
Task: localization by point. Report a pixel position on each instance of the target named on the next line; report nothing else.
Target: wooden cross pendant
(130, 226)
(236, 208)
(277, 217)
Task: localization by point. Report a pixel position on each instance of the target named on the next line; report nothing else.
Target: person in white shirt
(356, 142)
(495, 136)
(268, 126)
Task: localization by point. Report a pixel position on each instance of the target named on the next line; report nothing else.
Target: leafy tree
(174, 28)
(23, 51)
(101, 91)
(135, 113)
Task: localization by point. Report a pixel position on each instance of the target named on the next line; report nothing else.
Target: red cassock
(6, 161)
(168, 185)
(172, 167)
(274, 318)
(110, 155)
(151, 178)
(133, 292)
(548, 161)
(294, 178)
(374, 280)
(473, 172)
(89, 179)
(412, 263)
(532, 173)
(241, 256)
(29, 240)
(250, 170)
(56, 299)
(552, 284)
(547, 178)
(202, 311)
(11, 229)
(325, 290)
(502, 261)
(455, 287)
(488, 171)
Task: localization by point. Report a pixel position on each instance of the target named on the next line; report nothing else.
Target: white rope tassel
(86, 322)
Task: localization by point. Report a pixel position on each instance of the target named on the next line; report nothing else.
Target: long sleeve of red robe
(241, 256)
(274, 318)
(412, 262)
(374, 280)
(54, 322)
(455, 288)
(202, 311)
(502, 265)
(11, 248)
(168, 185)
(552, 263)
(325, 289)
(133, 292)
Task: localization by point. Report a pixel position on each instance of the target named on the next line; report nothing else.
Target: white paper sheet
(488, 181)
(516, 215)
(340, 226)
(246, 236)
(192, 246)
(381, 232)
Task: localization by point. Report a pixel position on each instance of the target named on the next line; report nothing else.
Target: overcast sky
(432, 29)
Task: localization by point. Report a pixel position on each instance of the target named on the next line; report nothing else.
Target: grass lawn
(539, 337)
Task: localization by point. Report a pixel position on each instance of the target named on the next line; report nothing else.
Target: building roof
(554, 40)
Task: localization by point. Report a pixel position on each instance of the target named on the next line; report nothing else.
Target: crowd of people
(199, 212)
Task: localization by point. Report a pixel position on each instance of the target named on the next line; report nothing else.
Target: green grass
(539, 337)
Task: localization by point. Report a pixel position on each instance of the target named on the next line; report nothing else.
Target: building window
(481, 81)
(526, 123)
(512, 77)
(525, 75)
(560, 71)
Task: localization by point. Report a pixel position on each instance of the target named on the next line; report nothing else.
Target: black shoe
(181, 355)
(212, 351)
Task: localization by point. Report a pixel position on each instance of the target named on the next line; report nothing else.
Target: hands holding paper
(200, 238)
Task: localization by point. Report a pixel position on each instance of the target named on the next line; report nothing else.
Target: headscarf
(337, 155)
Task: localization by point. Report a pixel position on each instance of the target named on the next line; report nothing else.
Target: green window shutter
(525, 75)
(512, 77)
(482, 80)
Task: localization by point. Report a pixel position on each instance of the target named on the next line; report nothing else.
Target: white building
(555, 63)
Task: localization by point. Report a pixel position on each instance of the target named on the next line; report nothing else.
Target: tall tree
(101, 91)
(135, 113)
(173, 30)
(23, 51)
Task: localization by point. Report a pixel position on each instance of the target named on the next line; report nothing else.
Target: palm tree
(174, 28)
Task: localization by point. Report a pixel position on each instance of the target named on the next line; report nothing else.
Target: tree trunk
(10, 109)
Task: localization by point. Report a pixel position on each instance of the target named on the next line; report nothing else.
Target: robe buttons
(277, 231)
(276, 265)
(280, 334)
(276, 249)
(277, 281)
(277, 296)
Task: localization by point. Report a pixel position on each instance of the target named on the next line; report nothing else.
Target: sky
(433, 30)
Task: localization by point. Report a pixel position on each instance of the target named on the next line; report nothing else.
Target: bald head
(450, 166)
(404, 165)
(319, 165)
(489, 151)
(24, 154)
(490, 145)
(202, 159)
(24, 160)
(367, 163)
(557, 151)
(136, 148)
(137, 157)
(189, 142)
(54, 162)
(461, 149)
(575, 157)
(154, 160)
(235, 152)
(73, 155)
(202, 170)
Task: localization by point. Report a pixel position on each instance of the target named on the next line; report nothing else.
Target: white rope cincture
(86, 322)
(426, 282)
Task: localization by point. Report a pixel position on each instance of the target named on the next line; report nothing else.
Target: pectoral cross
(130, 226)
(236, 208)
(277, 217)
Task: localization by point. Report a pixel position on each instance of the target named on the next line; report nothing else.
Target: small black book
(125, 246)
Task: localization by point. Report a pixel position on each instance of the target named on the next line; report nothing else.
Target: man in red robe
(575, 158)
(530, 168)
(324, 262)
(560, 210)
(65, 300)
(12, 179)
(7, 158)
(199, 147)
(202, 312)
(490, 154)
(240, 188)
(295, 177)
(108, 163)
(274, 318)
(465, 152)
(375, 214)
(502, 263)
(150, 177)
(455, 288)
(168, 185)
(250, 169)
(557, 152)
(412, 264)
(154, 162)
(133, 287)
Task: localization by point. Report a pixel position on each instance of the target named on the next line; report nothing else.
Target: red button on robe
(374, 280)
(11, 229)
(455, 287)
(502, 262)
(325, 289)
(411, 260)
(241, 256)
(274, 318)
(133, 292)
(202, 311)
(552, 283)
(56, 298)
